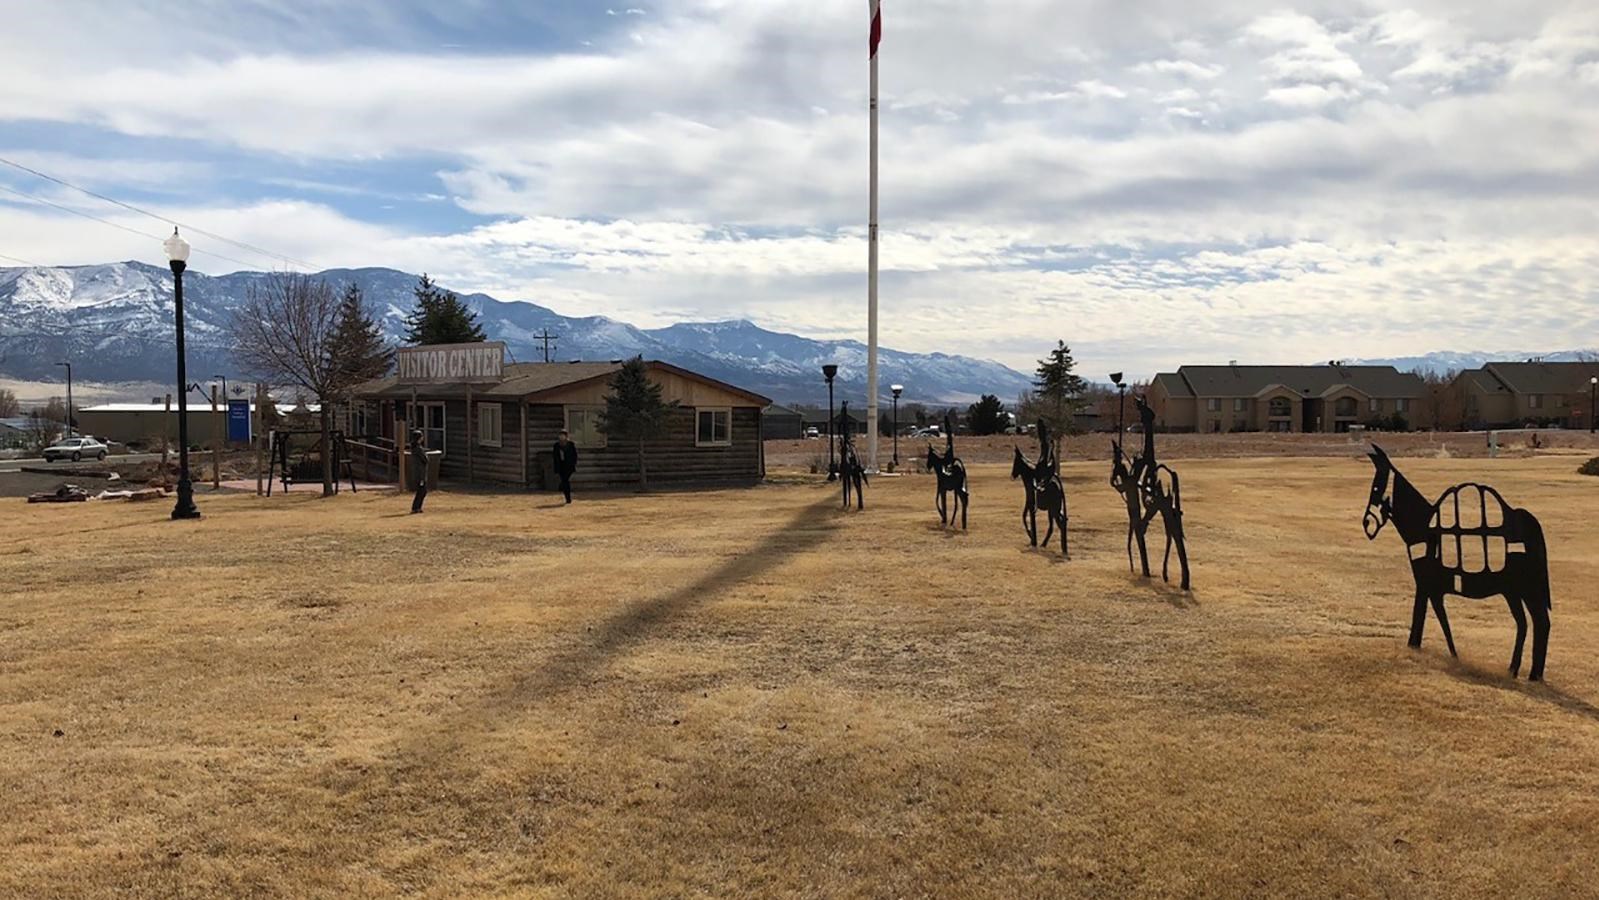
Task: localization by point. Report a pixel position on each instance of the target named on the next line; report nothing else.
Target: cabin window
(1281, 407)
(430, 418)
(583, 423)
(1240, 404)
(713, 427)
(1213, 404)
(490, 419)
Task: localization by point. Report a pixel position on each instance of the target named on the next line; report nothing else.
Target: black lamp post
(69, 396)
(1121, 401)
(828, 372)
(178, 256)
(1593, 400)
(897, 389)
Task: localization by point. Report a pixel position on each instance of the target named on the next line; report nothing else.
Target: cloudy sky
(1155, 181)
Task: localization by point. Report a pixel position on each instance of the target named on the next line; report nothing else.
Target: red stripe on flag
(877, 29)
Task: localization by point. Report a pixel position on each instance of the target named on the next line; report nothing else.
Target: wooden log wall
(671, 458)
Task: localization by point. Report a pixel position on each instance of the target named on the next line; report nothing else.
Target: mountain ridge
(113, 321)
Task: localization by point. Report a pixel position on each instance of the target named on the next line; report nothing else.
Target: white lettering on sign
(446, 363)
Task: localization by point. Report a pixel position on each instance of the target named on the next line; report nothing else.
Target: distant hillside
(1447, 360)
(114, 322)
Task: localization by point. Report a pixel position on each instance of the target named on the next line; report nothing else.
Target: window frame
(713, 411)
(498, 416)
(1402, 405)
(597, 441)
(425, 406)
(1240, 404)
(1212, 404)
(1287, 407)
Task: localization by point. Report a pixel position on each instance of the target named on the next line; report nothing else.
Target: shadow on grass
(804, 532)
(1501, 680)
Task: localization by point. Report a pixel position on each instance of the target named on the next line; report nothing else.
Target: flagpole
(871, 254)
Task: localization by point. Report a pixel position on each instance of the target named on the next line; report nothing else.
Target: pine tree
(634, 411)
(357, 349)
(1058, 387)
(986, 416)
(440, 317)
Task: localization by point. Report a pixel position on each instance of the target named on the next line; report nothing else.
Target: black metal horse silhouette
(1471, 543)
(1044, 490)
(951, 474)
(851, 474)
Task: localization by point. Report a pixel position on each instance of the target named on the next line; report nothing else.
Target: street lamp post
(1121, 401)
(178, 256)
(69, 396)
(1593, 400)
(897, 389)
(828, 372)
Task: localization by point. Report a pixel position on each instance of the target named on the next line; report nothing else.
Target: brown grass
(749, 692)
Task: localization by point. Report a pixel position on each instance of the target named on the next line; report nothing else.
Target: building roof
(1544, 377)
(1316, 381)
(1482, 380)
(1174, 384)
(780, 411)
(530, 380)
(194, 407)
(21, 423)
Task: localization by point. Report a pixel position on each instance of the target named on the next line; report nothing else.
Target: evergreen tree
(634, 411)
(440, 317)
(1059, 387)
(986, 416)
(356, 349)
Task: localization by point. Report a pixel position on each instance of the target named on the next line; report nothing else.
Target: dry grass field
(752, 693)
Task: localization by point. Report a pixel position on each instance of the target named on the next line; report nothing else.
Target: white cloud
(1393, 174)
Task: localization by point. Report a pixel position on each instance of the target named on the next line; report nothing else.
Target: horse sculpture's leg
(1443, 620)
(1143, 541)
(966, 501)
(1418, 617)
(1063, 550)
(1182, 549)
(1165, 559)
(1539, 608)
(1520, 615)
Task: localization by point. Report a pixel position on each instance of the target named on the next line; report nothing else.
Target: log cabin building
(497, 422)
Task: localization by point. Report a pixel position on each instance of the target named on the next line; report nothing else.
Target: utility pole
(216, 444)
(545, 336)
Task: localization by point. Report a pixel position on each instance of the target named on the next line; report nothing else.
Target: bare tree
(284, 332)
(9, 407)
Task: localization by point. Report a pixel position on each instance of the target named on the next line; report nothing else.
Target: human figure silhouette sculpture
(419, 461)
(1121, 478)
(1043, 491)
(851, 474)
(951, 476)
(1471, 543)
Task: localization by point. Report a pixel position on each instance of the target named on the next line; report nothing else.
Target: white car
(75, 448)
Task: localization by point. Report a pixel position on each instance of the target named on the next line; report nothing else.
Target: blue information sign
(239, 421)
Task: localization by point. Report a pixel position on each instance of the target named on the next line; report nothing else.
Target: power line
(167, 219)
(23, 261)
(94, 218)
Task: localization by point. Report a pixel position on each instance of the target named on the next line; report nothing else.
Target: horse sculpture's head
(1019, 467)
(1379, 506)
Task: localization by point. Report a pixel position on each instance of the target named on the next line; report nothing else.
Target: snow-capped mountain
(1451, 360)
(114, 322)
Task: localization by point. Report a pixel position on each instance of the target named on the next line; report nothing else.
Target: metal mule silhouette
(851, 474)
(951, 473)
(1159, 493)
(1044, 490)
(1471, 543)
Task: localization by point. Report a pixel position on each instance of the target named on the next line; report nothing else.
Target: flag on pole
(877, 25)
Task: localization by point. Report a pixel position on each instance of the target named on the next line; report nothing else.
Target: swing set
(306, 467)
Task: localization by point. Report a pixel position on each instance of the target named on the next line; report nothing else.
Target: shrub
(1591, 467)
